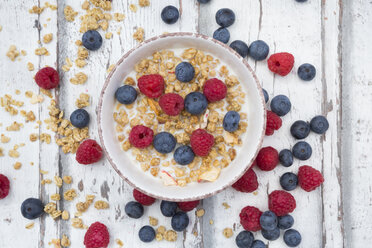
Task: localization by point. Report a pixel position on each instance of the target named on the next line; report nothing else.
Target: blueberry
(285, 222)
(126, 94)
(306, 72)
(180, 221)
(268, 221)
(280, 105)
(134, 209)
(204, 1)
(258, 50)
(184, 155)
(258, 244)
(301, 1)
(271, 235)
(300, 129)
(225, 17)
(302, 150)
(231, 121)
(32, 208)
(195, 103)
(286, 157)
(222, 34)
(288, 181)
(240, 47)
(292, 238)
(170, 14)
(92, 40)
(168, 208)
(164, 142)
(244, 239)
(185, 72)
(319, 124)
(79, 118)
(265, 95)
(146, 234)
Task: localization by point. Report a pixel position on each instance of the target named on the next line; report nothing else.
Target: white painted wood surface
(332, 35)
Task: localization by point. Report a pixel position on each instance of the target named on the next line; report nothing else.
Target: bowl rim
(108, 79)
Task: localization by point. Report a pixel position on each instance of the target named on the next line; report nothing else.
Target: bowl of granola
(176, 137)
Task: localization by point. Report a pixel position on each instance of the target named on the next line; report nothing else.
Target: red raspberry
(201, 142)
(143, 198)
(97, 236)
(88, 152)
(281, 63)
(281, 202)
(250, 218)
(214, 90)
(171, 104)
(47, 78)
(309, 178)
(4, 186)
(141, 136)
(267, 158)
(273, 122)
(247, 183)
(188, 206)
(151, 85)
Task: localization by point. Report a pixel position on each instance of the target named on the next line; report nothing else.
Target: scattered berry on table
(292, 238)
(180, 221)
(288, 181)
(4, 186)
(195, 103)
(300, 129)
(281, 63)
(231, 121)
(92, 40)
(225, 17)
(146, 234)
(247, 183)
(96, 236)
(47, 78)
(273, 122)
(319, 124)
(79, 118)
(244, 239)
(168, 208)
(88, 152)
(134, 209)
(268, 220)
(301, 1)
(285, 222)
(280, 105)
(267, 158)
(240, 47)
(214, 90)
(185, 72)
(306, 72)
(266, 96)
(258, 244)
(250, 218)
(171, 103)
(164, 142)
(204, 1)
(126, 94)
(151, 85)
(286, 157)
(32, 208)
(271, 234)
(201, 142)
(170, 14)
(143, 198)
(258, 50)
(302, 150)
(309, 178)
(188, 206)
(222, 34)
(184, 155)
(141, 136)
(281, 202)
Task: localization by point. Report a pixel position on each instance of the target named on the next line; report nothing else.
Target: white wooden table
(332, 35)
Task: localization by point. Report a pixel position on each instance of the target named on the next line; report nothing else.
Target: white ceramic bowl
(131, 172)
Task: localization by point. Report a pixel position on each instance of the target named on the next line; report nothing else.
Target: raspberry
(97, 236)
(281, 202)
(247, 183)
(250, 218)
(214, 90)
(188, 206)
(201, 142)
(88, 152)
(273, 122)
(267, 158)
(47, 78)
(143, 198)
(171, 103)
(309, 178)
(151, 85)
(281, 63)
(4, 186)
(141, 136)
